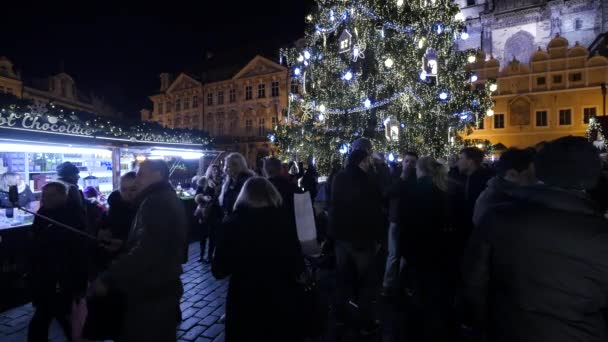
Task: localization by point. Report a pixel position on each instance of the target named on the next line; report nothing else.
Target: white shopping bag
(305, 223)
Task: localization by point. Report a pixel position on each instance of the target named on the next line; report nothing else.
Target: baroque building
(556, 94)
(238, 109)
(507, 29)
(59, 89)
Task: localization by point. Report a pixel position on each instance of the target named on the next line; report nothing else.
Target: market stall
(34, 140)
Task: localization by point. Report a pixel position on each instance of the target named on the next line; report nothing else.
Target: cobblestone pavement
(202, 305)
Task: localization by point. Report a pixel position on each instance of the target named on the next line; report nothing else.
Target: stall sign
(38, 123)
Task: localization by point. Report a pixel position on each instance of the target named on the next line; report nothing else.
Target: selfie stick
(13, 196)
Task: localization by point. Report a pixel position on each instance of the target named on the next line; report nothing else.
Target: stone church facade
(514, 29)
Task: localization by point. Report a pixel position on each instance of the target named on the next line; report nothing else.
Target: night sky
(118, 51)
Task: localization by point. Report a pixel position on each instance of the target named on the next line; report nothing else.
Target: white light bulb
(367, 103)
(399, 3)
(388, 63)
(443, 95)
(356, 51)
(490, 112)
(474, 78)
(296, 71)
(421, 43)
(464, 35)
(459, 16)
(348, 76)
(439, 29)
(423, 75)
(391, 157)
(309, 17)
(306, 54)
(493, 87)
(321, 117)
(471, 59)
(305, 63)
(300, 58)
(322, 108)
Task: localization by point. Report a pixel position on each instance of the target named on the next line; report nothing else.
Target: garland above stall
(19, 114)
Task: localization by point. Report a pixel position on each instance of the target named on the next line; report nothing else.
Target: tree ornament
(358, 50)
(345, 41)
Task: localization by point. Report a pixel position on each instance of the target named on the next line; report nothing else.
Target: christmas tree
(386, 70)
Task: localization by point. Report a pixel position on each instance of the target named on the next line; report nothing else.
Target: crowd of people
(514, 251)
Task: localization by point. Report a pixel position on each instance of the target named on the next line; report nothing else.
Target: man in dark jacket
(149, 273)
(464, 195)
(393, 261)
(69, 174)
(537, 269)
(272, 168)
(356, 223)
(59, 268)
(514, 169)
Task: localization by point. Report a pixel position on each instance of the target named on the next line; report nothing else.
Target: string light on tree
(471, 59)
(490, 112)
(297, 71)
(464, 35)
(474, 78)
(427, 109)
(493, 87)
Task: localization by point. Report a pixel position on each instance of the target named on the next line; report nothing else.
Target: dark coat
(287, 191)
(231, 191)
(463, 192)
(396, 193)
(423, 221)
(260, 250)
(355, 212)
(497, 193)
(25, 197)
(59, 256)
(149, 272)
(537, 269)
(119, 217)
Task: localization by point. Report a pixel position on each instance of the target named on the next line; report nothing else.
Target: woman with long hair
(208, 213)
(423, 225)
(237, 173)
(259, 249)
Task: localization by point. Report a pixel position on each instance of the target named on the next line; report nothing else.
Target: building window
(470, 2)
(160, 108)
(210, 122)
(232, 95)
(541, 81)
(261, 90)
(178, 121)
(248, 92)
(541, 119)
(220, 124)
(178, 106)
(275, 122)
(169, 107)
(220, 98)
(295, 87)
(232, 123)
(195, 102)
(186, 103)
(576, 77)
(565, 117)
(275, 88)
(499, 121)
(261, 127)
(578, 24)
(186, 119)
(210, 99)
(248, 126)
(557, 78)
(481, 124)
(588, 113)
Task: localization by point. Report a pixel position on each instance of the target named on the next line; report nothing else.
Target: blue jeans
(394, 262)
(356, 278)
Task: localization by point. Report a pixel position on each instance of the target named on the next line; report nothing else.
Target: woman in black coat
(237, 174)
(260, 250)
(423, 222)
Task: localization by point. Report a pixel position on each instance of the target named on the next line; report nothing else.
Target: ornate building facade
(555, 94)
(506, 29)
(59, 89)
(238, 111)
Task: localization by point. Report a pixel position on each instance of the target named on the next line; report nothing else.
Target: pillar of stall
(115, 167)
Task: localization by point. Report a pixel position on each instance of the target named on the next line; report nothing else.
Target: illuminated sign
(37, 123)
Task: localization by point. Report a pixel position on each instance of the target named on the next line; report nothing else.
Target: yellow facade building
(238, 112)
(554, 96)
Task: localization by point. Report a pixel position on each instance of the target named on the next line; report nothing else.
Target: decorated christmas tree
(387, 70)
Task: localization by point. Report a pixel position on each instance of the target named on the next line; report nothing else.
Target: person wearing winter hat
(545, 255)
(69, 174)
